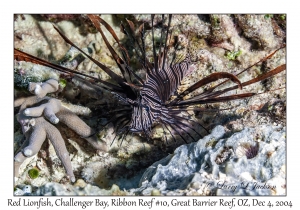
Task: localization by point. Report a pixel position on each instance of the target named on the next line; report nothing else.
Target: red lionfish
(155, 99)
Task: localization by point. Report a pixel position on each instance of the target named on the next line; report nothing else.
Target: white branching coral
(41, 89)
(34, 114)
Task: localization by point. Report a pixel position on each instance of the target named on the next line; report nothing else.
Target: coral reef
(224, 43)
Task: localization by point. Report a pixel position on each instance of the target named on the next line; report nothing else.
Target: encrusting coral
(36, 128)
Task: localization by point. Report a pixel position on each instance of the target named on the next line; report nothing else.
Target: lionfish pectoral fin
(271, 73)
(113, 75)
(153, 45)
(266, 75)
(123, 65)
(211, 78)
(160, 60)
(22, 56)
(165, 47)
(176, 131)
(249, 67)
(215, 100)
(96, 20)
(136, 87)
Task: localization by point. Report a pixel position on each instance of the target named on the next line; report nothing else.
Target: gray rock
(222, 169)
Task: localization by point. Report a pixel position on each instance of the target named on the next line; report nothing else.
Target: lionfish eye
(146, 107)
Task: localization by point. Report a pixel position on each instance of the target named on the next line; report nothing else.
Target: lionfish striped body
(150, 100)
(159, 86)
